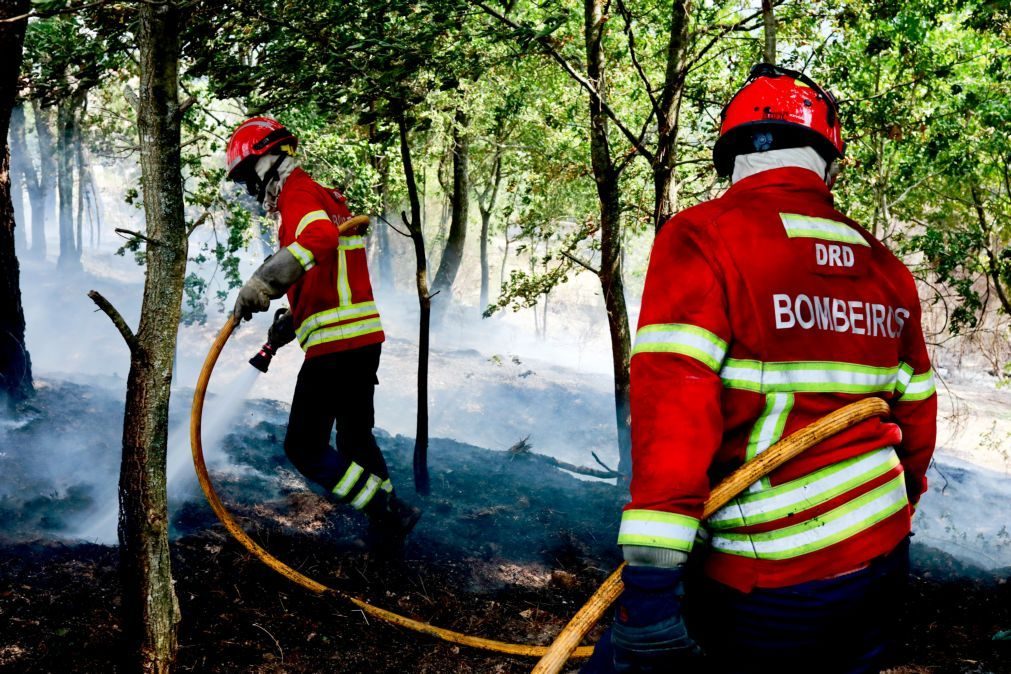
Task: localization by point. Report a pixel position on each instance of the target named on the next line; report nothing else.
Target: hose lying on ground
(725, 491)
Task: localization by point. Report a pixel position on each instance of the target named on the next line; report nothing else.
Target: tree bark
(449, 266)
(150, 608)
(47, 171)
(421, 479)
(769, 23)
(15, 363)
(606, 177)
(668, 113)
(22, 164)
(486, 204)
(66, 114)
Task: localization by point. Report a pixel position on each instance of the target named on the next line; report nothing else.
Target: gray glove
(277, 273)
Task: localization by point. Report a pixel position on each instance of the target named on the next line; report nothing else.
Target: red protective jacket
(763, 311)
(332, 304)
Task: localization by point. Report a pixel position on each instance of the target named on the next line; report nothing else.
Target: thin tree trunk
(486, 204)
(449, 265)
(150, 608)
(15, 363)
(47, 161)
(668, 112)
(79, 162)
(17, 191)
(21, 161)
(70, 257)
(414, 224)
(606, 178)
(769, 22)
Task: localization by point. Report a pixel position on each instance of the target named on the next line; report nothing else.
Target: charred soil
(508, 548)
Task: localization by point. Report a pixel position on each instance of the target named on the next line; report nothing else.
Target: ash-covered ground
(508, 548)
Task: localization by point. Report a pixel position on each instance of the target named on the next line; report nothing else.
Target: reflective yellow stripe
(303, 255)
(351, 243)
(310, 218)
(343, 284)
(367, 492)
(337, 333)
(324, 319)
(657, 529)
(351, 476)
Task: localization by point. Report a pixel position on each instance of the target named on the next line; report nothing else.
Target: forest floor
(508, 549)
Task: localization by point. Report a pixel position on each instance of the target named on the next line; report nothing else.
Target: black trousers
(338, 389)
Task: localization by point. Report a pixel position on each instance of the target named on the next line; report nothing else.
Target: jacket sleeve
(677, 420)
(316, 236)
(914, 407)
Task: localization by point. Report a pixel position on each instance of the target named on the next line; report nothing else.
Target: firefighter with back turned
(764, 310)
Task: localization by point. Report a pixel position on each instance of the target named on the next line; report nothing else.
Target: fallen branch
(116, 318)
(523, 449)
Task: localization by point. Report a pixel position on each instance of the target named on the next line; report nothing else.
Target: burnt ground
(508, 549)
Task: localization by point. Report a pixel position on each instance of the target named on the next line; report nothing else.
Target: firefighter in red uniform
(334, 317)
(764, 310)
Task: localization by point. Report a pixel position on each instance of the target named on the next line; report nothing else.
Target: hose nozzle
(261, 361)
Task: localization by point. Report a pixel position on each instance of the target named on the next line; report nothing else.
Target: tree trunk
(79, 163)
(668, 112)
(70, 256)
(15, 364)
(381, 263)
(769, 22)
(150, 609)
(421, 480)
(17, 191)
(606, 178)
(47, 172)
(453, 253)
(486, 204)
(21, 163)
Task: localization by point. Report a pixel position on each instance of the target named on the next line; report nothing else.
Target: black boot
(390, 521)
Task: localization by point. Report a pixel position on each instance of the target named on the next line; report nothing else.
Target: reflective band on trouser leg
(810, 227)
(343, 487)
(768, 429)
(920, 387)
(303, 255)
(832, 527)
(657, 529)
(367, 492)
(687, 340)
(387, 486)
(808, 377)
(806, 492)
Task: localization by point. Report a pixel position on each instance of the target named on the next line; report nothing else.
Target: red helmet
(775, 109)
(254, 138)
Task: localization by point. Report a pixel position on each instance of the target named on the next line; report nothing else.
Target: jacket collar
(788, 178)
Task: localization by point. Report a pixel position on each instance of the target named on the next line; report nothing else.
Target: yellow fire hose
(565, 646)
(781, 452)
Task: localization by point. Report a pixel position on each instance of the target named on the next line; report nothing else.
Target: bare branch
(117, 320)
(130, 234)
(582, 264)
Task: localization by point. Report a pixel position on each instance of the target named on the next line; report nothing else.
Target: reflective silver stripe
(335, 315)
(902, 379)
(820, 532)
(351, 242)
(806, 492)
(303, 255)
(367, 492)
(346, 331)
(351, 476)
(657, 529)
(920, 387)
(808, 377)
(310, 218)
(810, 227)
(768, 429)
(682, 338)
